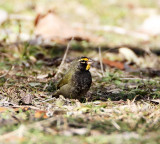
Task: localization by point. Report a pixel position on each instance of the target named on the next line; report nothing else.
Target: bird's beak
(89, 61)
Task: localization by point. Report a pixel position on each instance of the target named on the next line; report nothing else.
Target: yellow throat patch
(88, 67)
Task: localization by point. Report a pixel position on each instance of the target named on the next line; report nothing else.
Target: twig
(64, 57)
(7, 72)
(26, 106)
(100, 59)
(48, 99)
(116, 125)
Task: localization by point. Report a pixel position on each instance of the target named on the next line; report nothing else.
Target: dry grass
(120, 108)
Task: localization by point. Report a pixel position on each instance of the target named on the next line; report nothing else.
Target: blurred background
(92, 23)
(110, 24)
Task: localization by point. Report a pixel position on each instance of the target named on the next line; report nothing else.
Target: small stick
(48, 99)
(64, 57)
(100, 59)
(7, 72)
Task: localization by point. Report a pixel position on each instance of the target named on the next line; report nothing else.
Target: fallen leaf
(129, 55)
(115, 64)
(40, 114)
(51, 27)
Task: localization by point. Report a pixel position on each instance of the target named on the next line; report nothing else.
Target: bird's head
(84, 63)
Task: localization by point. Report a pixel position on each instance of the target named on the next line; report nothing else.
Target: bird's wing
(68, 76)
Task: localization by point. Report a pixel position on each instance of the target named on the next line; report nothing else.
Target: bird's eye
(83, 61)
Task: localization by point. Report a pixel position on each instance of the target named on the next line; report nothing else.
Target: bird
(77, 80)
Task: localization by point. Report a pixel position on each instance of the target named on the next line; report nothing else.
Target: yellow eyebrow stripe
(85, 59)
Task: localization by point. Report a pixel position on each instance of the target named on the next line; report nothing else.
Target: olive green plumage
(77, 81)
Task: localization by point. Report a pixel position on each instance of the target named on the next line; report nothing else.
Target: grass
(122, 123)
(118, 110)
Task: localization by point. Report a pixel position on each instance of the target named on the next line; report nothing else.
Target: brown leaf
(40, 114)
(52, 27)
(115, 64)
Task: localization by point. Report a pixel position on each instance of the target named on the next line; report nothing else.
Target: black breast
(82, 81)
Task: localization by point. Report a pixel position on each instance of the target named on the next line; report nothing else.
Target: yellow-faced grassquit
(77, 80)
